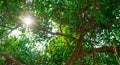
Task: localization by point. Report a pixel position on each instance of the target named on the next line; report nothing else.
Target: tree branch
(93, 50)
(96, 5)
(82, 32)
(42, 29)
(105, 49)
(76, 51)
(100, 50)
(1, 15)
(68, 44)
(5, 26)
(4, 36)
(10, 59)
(81, 13)
(9, 14)
(56, 33)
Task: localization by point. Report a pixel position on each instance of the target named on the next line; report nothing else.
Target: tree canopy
(59, 32)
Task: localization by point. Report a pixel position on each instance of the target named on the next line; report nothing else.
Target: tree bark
(10, 60)
(100, 50)
(76, 51)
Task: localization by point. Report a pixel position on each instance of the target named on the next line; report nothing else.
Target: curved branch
(76, 52)
(5, 26)
(100, 50)
(1, 15)
(4, 36)
(9, 14)
(10, 59)
(56, 33)
(42, 29)
(68, 44)
(92, 46)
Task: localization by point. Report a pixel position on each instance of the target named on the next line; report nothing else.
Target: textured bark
(9, 60)
(101, 50)
(82, 53)
(56, 33)
(106, 49)
(76, 51)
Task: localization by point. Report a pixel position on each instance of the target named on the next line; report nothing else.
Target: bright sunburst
(28, 20)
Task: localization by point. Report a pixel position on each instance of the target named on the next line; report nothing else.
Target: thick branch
(82, 32)
(100, 50)
(76, 51)
(9, 14)
(42, 29)
(10, 59)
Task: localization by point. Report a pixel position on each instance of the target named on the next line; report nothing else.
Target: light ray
(28, 20)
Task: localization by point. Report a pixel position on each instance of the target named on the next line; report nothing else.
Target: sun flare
(28, 20)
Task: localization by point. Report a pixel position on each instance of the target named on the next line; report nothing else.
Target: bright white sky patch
(15, 33)
(39, 46)
(29, 1)
(54, 27)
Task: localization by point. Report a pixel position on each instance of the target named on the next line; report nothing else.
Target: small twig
(13, 29)
(84, 9)
(81, 14)
(115, 51)
(96, 5)
(61, 27)
(4, 36)
(1, 15)
(56, 33)
(5, 26)
(9, 14)
(65, 38)
(91, 19)
(93, 50)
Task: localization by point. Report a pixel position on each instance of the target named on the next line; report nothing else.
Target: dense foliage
(62, 32)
